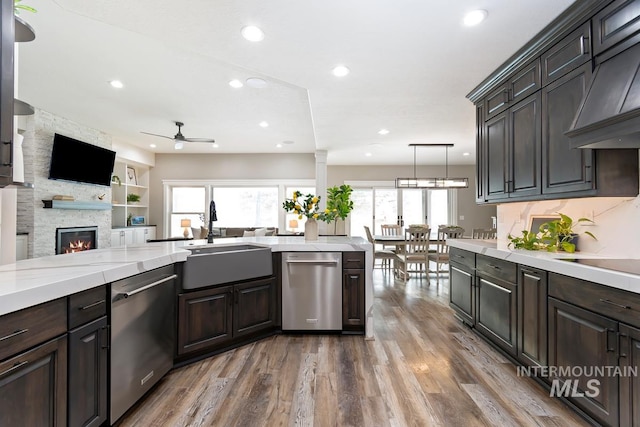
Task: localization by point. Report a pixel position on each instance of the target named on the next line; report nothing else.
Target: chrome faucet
(212, 217)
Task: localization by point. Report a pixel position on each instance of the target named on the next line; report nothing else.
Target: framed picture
(131, 176)
(138, 220)
(535, 221)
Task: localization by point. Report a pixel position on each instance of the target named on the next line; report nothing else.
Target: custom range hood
(609, 115)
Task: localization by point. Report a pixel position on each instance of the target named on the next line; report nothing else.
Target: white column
(321, 184)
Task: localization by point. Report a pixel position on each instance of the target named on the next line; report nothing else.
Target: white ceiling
(412, 63)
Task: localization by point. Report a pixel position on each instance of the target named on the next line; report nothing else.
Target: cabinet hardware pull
(527, 271)
(14, 367)
(495, 267)
(86, 307)
(144, 288)
(15, 334)
(606, 301)
(237, 296)
(107, 340)
(623, 338)
(584, 46)
(609, 348)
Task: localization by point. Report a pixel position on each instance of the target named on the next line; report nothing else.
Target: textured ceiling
(412, 63)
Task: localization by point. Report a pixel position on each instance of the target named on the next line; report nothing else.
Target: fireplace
(76, 239)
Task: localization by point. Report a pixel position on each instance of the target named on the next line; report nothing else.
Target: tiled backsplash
(616, 222)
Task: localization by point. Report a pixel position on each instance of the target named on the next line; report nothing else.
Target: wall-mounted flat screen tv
(73, 160)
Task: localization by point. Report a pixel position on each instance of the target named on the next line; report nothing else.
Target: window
(186, 203)
(246, 206)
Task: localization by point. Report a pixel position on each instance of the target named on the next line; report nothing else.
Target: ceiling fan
(179, 139)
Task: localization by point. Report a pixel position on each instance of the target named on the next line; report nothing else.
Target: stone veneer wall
(41, 223)
(617, 222)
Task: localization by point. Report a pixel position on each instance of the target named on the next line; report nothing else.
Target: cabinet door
(88, 352)
(532, 316)
(33, 386)
(128, 237)
(7, 38)
(480, 155)
(149, 233)
(117, 238)
(615, 23)
(496, 310)
(496, 136)
(564, 169)
(462, 293)
(525, 148)
(629, 384)
(497, 101)
(353, 300)
(566, 55)
(254, 308)
(205, 319)
(583, 339)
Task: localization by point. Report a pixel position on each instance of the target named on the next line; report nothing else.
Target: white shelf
(122, 209)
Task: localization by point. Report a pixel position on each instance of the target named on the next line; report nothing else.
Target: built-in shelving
(133, 178)
(76, 204)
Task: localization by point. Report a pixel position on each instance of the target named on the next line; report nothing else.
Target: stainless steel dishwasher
(142, 335)
(312, 291)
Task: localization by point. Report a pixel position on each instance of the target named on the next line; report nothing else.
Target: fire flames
(77, 246)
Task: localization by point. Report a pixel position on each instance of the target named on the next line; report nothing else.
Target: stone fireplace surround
(32, 218)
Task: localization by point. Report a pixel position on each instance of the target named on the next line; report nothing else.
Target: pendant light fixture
(445, 182)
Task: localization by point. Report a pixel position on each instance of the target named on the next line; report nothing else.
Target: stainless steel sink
(214, 265)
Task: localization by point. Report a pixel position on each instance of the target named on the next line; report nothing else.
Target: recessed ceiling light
(474, 17)
(256, 82)
(383, 131)
(340, 71)
(368, 154)
(465, 154)
(288, 142)
(152, 145)
(252, 33)
(264, 124)
(278, 145)
(116, 84)
(236, 84)
(215, 145)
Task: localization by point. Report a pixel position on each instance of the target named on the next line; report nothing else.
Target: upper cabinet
(616, 24)
(525, 109)
(130, 194)
(7, 39)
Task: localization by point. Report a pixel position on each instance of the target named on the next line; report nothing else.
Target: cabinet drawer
(568, 54)
(460, 256)
(353, 260)
(607, 301)
(498, 268)
(34, 325)
(525, 82)
(87, 305)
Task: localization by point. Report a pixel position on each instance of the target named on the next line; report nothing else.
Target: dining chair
(415, 252)
(385, 256)
(441, 255)
(484, 233)
(390, 230)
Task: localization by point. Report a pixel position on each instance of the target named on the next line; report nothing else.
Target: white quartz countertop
(552, 261)
(34, 281)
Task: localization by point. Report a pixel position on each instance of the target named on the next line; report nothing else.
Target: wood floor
(424, 368)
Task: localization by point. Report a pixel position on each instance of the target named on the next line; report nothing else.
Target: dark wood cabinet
(496, 141)
(88, 355)
(462, 295)
(629, 384)
(255, 307)
(618, 23)
(205, 319)
(496, 309)
(582, 339)
(33, 386)
(532, 316)
(210, 318)
(480, 155)
(526, 81)
(353, 315)
(564, 169)
(566, 55)
(7, 39)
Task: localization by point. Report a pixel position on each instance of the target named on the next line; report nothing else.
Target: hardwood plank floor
(424, 368)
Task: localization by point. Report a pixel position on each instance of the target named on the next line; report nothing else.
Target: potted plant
(17, 7)
(558, 235)
(529, 241)
(339, 203)
(115, 179)
(133, 198)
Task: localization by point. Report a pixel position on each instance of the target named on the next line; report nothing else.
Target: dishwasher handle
(312, 261)
(144, 288)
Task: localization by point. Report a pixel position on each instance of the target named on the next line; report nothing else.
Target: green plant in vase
(339, 204)
(133, 198)
(558, 235)
(529, 241)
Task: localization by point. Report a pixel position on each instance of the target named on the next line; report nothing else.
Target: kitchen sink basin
(214, 265)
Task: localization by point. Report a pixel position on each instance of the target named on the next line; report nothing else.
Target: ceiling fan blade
(155, 134)
(200, 140)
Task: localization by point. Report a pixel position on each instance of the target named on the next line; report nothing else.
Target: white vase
(311, 229)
